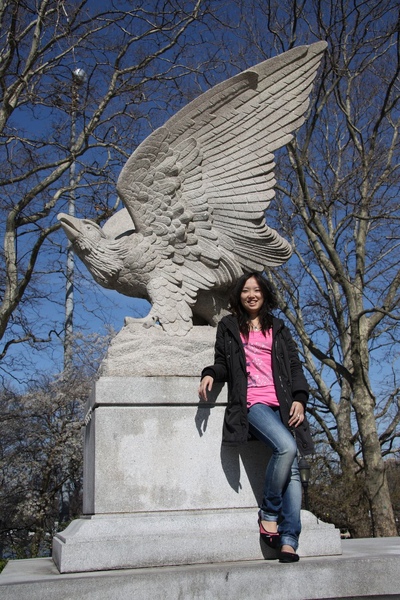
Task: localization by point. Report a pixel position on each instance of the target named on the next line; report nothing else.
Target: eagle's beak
(70, 226)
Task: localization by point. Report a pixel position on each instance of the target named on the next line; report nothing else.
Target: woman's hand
(205, 386)
(296, 414)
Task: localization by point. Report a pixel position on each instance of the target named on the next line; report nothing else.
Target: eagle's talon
(151, 322)
(147, 321)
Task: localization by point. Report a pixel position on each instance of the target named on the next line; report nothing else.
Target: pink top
(260, 383)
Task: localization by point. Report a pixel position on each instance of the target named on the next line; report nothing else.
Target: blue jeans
(282, 489)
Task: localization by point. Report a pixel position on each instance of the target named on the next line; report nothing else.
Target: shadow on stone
(204, 409)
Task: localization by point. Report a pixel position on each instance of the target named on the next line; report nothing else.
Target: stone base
(366, 569)
(159, 489)
(177, 538)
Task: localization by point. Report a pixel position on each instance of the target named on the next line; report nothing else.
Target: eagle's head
(102, 254)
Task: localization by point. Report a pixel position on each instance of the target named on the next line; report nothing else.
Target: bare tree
(41, 455)
(135, 58)
(337, 195)
(40, 463)
(338, 202)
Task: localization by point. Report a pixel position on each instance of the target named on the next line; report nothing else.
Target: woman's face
(251, 297)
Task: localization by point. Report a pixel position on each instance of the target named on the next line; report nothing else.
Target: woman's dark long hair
(265, 314)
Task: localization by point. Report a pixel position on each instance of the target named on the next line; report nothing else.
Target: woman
(267, 395)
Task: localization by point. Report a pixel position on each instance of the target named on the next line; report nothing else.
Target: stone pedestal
(159, 488)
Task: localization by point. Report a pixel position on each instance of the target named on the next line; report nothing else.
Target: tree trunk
(376, 484)
(352, 498)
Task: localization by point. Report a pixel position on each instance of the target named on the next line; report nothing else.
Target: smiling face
(251, 297)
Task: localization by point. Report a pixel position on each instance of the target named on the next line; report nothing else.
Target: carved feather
(217, 155)
(197, 190)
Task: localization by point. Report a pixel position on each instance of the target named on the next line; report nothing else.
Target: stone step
(367, 568)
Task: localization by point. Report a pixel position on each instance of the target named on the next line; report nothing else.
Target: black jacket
(289, 379)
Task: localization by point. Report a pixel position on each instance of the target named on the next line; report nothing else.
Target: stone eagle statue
(195, 194)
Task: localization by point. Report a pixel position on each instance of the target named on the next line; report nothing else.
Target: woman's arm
(219, 370)
(205, 386)
(298, 379)
(300, 388)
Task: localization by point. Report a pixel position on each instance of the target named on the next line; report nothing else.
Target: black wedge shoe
(271, 538)
(288, 557)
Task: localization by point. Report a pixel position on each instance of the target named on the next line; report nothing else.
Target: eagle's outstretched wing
(200, 185)
(212, 164)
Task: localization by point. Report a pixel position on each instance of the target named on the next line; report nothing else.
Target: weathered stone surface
(177, 538)
(149, 352)
(368, 568)
(151, 445)
(155, 471)
(195, 195)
